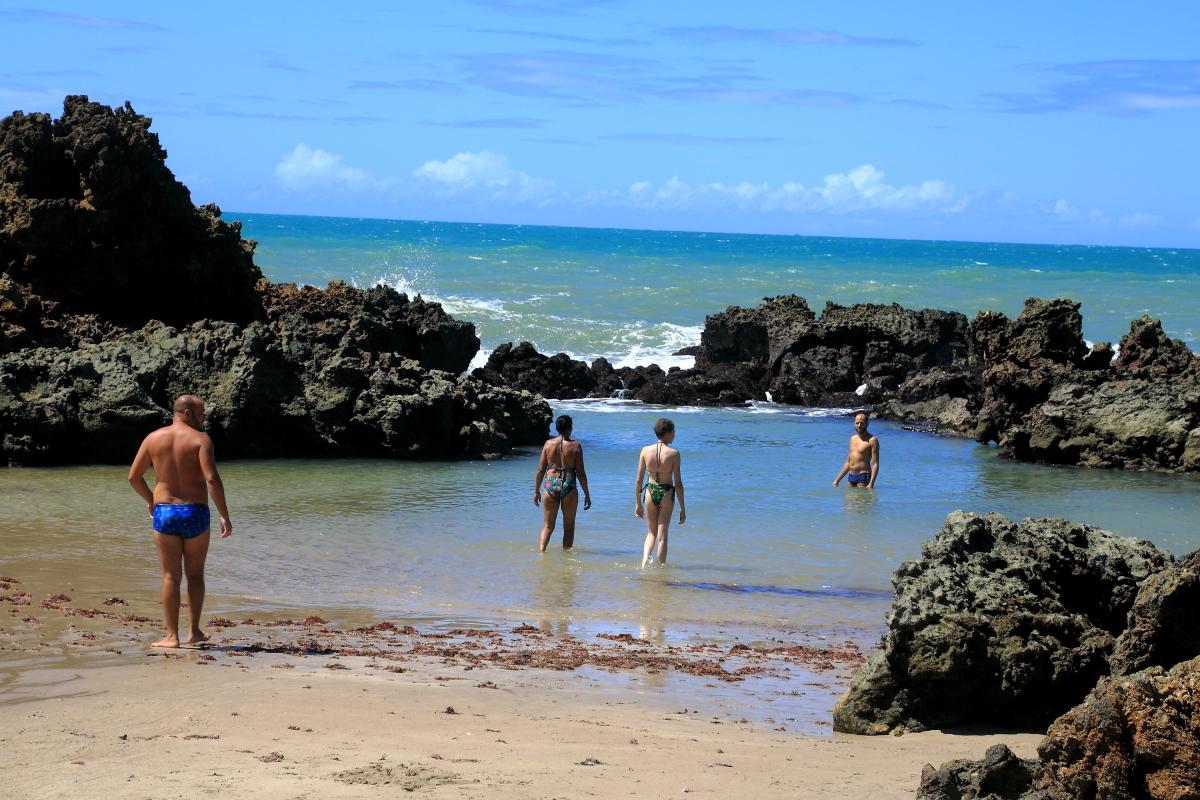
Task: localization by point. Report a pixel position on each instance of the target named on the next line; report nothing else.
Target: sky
(1053, 122)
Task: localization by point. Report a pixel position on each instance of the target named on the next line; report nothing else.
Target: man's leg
(195, 552)
(170, 558)
(549, 514)
(570, 505)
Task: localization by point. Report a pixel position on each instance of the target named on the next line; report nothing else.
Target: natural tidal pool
(769, 543)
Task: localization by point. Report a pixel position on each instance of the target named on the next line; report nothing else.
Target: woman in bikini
(562, 466)
(664, 485)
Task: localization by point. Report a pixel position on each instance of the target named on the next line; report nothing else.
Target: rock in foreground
(1000, 776)
(998, 623)
(1162, 629)
(1133, 737)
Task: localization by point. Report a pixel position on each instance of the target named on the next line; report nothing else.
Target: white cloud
(486, 175)
(306, 168)
(1066, 212)
(1195, 226)
(1140, 221)
(1069, 213)
(859, 189)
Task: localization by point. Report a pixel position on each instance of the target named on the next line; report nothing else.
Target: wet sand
(280, 708)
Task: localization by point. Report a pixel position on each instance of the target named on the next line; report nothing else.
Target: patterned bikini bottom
(658, 491)
(560, 484)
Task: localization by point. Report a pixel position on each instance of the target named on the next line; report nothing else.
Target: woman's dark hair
(663, 427)
(563, 424)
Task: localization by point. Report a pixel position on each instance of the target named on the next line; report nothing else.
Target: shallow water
(768, 541)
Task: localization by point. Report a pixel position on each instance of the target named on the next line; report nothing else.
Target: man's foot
(196, 637)
(170, 641)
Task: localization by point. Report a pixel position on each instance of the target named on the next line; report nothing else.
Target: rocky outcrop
(327, 385)
(1001, 775)
(1133, 737)
(560, 377)
(1048, 399)
(91, 216)
(117, 295)
(998, 623)
(1161, 629)
(849, 356)
(523, 367)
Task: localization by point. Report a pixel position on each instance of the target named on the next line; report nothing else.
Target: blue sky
(1054, 122)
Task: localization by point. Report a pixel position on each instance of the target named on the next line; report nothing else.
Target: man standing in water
(862, 463)
(660, 465)
(185, 471)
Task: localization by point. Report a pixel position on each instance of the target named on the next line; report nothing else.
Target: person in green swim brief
(659, 465)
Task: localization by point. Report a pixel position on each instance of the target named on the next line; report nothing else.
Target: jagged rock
(1143, 412)
(710, 385)
(1001, 775)
(287, 388)
(99, 245)
(1161, 629)
(753, 334)
(948, 397)
(523, 367)
(998, 623)
(850, 356)
(92, 218)
(1135, 737)
(384, 321)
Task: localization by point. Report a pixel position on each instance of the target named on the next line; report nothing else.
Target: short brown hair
(858, 414)
(663, 427)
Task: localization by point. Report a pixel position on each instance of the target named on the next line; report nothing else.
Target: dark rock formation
(523, 367)
(380, 321)
(117, 295)
(92, 218)
(331, 384)
(999, 776)
(1134, 737)
(1048, 399)
(998, 623)
(561, 378)
(709, 385)
(1162, 627)
(824, 362)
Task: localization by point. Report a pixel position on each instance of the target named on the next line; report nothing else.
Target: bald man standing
(185, 471)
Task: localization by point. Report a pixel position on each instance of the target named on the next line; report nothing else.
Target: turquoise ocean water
(768, 540)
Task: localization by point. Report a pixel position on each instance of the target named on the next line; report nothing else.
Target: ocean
(769, 544)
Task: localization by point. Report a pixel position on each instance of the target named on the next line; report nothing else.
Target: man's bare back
(185, 472)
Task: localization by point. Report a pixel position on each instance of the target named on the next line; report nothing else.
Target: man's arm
(874, 462)
(208, 465)
(137, 476)
(845, 469)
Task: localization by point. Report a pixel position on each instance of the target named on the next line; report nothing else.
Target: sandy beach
(289, 709)
(179, 726)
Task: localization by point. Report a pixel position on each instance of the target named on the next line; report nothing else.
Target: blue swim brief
(858, 478)
(186, 520)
